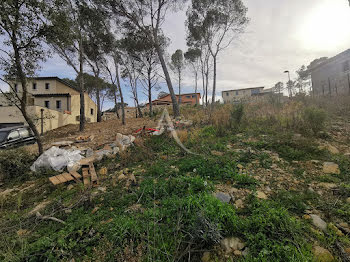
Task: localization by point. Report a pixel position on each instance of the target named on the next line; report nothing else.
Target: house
(332, 77)
(241, 95)
(51, 97)
(183, 99)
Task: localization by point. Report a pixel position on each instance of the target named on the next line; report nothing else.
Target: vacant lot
(267, 182)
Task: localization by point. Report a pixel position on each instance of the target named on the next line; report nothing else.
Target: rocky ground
(245, 197)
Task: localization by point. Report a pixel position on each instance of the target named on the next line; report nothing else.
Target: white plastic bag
(57, 159)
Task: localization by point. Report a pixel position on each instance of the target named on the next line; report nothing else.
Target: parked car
(17, 136)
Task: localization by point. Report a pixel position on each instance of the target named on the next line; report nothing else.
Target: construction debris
(57, 159)
(84, 139)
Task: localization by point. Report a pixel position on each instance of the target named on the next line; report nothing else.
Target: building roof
(332, 59)
(52, 95)
(244, 89)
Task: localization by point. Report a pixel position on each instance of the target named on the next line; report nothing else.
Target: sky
(282, 35)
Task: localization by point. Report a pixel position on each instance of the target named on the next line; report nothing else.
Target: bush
(15, 164)
(314, 119)
(237, 113)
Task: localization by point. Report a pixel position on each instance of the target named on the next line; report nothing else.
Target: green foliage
(237, 113)
(15, 164)
(314, 119)
(295, 201)
(273, 235)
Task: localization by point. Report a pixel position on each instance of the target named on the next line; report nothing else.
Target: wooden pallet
(89, 176)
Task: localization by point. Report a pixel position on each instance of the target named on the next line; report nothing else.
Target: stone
(318, 222)
(333, 149)
(237, 253)
(217, 153)
(231, 244)
(327, 185)
(322, 255)
(307, 217)
(239, 203)
(70, 187)
(331, 168)
(102, 189)
(206, 257)
(121, 177)
(245, 252)
(348, 200)
(223, 197)
(240, 166)
(261, 195)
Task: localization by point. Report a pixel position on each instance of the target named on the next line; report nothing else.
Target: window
(34, 86)
(47, 86)
(47, 104)
(188, 96)
(13, 135)
(92, 111)
(24, 133)
(346, 66)
(227, 94)
(193, 96)
(236, 93)
(58, 104)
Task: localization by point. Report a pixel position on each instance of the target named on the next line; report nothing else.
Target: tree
(216, 23)
(303, 81)
(22, 32)
(98, 41)
(177, 65)
(278, 89)
(67, 21)
(148, 16)
(193, 58)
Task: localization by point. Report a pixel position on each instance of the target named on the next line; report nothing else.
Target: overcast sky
(282, 35)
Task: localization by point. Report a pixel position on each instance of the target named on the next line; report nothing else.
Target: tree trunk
(150, 93)
(81, 83)
(137, 100)
(116, 103)
(176, 107)
(120, 90)
(179, 87)
(23, 100)
(196, 86)
(98, 99)
(214, 82)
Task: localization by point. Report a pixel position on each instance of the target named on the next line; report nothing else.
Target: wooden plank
(54, 180)
(86, 176)
(61, 178)
(67, 176)
(75, 174)
(93, 172)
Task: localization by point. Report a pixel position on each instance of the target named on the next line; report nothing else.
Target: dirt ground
(103, 133)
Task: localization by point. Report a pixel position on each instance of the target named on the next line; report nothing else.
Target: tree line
(105, 41)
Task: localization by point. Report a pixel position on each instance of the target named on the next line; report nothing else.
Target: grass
(171, 213)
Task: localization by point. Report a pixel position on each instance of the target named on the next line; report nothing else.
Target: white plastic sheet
(57, 159)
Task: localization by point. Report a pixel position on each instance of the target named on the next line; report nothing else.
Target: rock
(121, 177)
(307, 217)
(333, 149)
(343, 224)
(348, 200)
(322, 255)
(68, 211)
(70, 187)
(245, 252)
(223, 197)
(331, 168)
(311, 189)
(102, 189)
(318, 222)
(231, 244)
(261, 195)
(327, 185)
(217, 153)
(240, 166)
(239, 203)
(237, 253)
(103, 171)
(206, 257)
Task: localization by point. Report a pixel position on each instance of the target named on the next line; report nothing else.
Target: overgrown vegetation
(171, 211)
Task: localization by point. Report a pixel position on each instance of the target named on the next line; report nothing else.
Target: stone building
(332, 77)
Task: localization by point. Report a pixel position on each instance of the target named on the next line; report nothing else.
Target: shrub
(237, 113)
(15, 164)
(314, 119)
